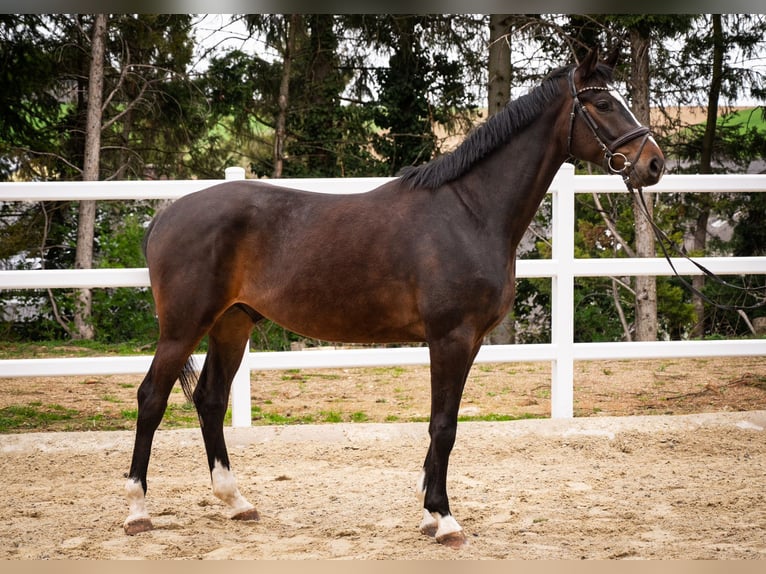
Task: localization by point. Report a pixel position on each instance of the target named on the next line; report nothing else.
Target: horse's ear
(588, 65)
(613, 57)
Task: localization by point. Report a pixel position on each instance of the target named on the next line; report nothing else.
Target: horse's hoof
(429, 529)
(250, 515)
(453, 540)
(138, 526)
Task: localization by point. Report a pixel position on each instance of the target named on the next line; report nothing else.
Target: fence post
(562, 291)
(240, 386)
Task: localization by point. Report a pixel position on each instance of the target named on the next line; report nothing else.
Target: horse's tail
(188, 378)
(147, 233)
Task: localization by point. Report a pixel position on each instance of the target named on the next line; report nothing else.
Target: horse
(428, 257)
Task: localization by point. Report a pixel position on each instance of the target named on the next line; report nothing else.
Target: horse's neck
(511, 183)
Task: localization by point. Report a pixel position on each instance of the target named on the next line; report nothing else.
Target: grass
(261, 417)
(748, 118)
(331, 416)
(745, 120)
(111, 405)
(489, 417)
(39, 349)
(359, 417)
(33, 416)
(496, 417)
(36, 416)
(392, 372)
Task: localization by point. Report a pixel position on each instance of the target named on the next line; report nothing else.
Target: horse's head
(604, 131)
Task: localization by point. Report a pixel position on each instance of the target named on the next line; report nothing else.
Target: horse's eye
(603, 105)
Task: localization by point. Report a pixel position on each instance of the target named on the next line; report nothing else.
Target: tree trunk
(87, 213)
(646, 286)
(284, 95)
(698, 281)
(706, 166)
(499, 93)
(499, 63)
(719, 48)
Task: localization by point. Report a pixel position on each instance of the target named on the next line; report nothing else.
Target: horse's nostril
(656, 166)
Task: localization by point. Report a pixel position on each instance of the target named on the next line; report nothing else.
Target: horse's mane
(490, 135)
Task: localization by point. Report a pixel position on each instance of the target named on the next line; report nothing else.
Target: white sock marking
(428, 522)
(444, 525)
(136, 501)
(225, 488)
(447, 525)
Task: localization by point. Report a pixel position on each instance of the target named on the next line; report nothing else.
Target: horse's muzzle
(645, 169)
(649, 168)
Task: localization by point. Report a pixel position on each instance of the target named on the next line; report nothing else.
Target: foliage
(119, 314)
(123, 313)
(328, 139)
(29, 107)
(368, 95)
(740, 137)
(421, 86)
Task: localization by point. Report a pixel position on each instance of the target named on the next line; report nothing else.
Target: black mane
(496, 131)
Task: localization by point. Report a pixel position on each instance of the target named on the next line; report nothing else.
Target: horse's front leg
(451, 359)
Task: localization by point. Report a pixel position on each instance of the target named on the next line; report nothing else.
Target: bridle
(609, 148)
(624, 171)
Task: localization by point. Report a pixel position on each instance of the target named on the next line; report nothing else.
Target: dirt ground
(401, 394)
(664, 459)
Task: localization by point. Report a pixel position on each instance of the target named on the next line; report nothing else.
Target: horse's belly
(344, 329)
(381, 317)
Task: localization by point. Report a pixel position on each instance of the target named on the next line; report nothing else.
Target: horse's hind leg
(166, 367)
(226, 346)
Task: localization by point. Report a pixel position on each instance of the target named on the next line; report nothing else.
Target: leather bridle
(609, 148)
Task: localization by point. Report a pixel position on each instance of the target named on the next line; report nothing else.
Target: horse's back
(308, 261)
(227, 213)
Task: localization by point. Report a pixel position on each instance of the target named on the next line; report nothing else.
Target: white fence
(562, 268)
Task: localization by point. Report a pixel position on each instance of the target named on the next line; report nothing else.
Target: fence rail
(562, 268)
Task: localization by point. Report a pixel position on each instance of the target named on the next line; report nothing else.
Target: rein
(609, 154)
(663, 239)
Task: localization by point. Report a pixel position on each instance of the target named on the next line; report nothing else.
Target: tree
(284, 94)
(135, 84)
(638, 88)
(704, 205)
(281, 32)
(57, 135)
(299, 98)
(329, 138)
(83, 329)
(642, 34)
(498, 96)
(708, 70)
(499, 63)
(424, 85)
(346, 82)
(29, 107)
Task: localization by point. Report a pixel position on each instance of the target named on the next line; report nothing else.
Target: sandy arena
(689, 486)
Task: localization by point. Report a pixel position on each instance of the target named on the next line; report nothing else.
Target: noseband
(607, 148)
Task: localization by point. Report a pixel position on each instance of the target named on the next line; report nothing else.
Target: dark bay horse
(427, 257)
